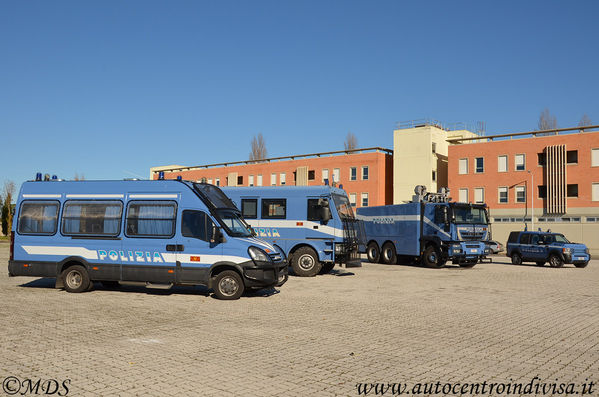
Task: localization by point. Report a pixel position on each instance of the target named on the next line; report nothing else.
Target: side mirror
(217, 235)
(324, 210)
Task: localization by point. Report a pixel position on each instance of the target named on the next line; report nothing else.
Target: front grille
(471, 235)
(472, 246)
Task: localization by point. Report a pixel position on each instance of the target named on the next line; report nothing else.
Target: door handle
(174, 247)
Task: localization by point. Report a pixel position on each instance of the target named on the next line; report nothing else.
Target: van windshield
(343, 206)
(232, 221)
(555, 238)
(214, 195)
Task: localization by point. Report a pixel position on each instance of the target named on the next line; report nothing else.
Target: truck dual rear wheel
(228, 285)
(305, 263)
(373, 253)
(76, 279)
(431, 257)
(388, 254)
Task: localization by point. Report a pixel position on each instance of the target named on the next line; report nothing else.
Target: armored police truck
(430, 229)
(315, 225)
(154, 233)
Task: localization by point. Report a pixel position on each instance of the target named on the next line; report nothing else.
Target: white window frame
(499, 163)
(480, 190)
(259, 180)
(365, 175)
(518, 189)
(353, 173)
(217, 181)
(505, 190)
(595, 191)
(364, 196)
(283, 178)
(352, 199)
(516, 156)
(325, 175)
(463, 191)
(336, 174)
(251, 180)
(595, 157)
(273, 179)
(461, 169)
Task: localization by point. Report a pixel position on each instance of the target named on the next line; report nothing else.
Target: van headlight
(567, 251)
(258, 255)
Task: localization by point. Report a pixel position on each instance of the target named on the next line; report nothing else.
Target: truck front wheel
(431, 257)
(305, 262)
(373, 253)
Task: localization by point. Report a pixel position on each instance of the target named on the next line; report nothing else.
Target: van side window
(249, 208)
(151, 218)
(92, 218)
(313, 210)
(274, 208)
(525, 238)
(196, 224)
(38, 217)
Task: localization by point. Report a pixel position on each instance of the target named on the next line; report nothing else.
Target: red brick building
(365, 174)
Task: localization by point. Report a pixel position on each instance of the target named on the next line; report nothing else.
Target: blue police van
(154, 233)
(314, 225)
(542, 247)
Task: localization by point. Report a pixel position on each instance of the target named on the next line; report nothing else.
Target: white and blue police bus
(314, 225)
(154, 233)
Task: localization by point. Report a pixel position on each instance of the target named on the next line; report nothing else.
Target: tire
(373, 253)
(327, 267)
(581, 265)
(469, 264)
(516, 258)
(555, 261)
(228, 285)
(388, 254)
(110, 284)
(431, 257)
(305, 262)
(541, 263)
(283, 281)
(75, 279)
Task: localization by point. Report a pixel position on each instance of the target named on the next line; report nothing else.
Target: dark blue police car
(542, 247)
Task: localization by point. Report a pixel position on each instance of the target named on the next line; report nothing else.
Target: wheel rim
(306, 262)
(228, 286)
(371, 253)
(554, 261)
(74, 279)
(432, 258)
(517, 259)
(388, 254)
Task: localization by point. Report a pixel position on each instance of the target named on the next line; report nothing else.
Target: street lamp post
(532, 199)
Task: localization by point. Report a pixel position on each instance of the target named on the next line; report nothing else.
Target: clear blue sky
(108, 89)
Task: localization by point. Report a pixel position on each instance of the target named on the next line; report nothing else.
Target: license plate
(473, 251)
(581, 258)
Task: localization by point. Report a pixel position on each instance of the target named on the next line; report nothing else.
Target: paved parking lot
(315, 336)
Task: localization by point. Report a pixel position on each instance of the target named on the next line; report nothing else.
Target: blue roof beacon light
(179, 178)
(38, 177)
(161, 175)
(54, 178)
(340, 186)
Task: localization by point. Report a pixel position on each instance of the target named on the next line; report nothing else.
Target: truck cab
(542, 247)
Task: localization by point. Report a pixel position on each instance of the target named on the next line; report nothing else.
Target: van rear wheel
(228, 285)
(305, 262)
(75, 279)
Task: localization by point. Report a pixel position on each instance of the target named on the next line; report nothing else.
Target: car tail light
(12, 246)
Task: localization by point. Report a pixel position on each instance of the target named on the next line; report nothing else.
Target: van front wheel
(75, 279)
(228, 285)
(305, 262)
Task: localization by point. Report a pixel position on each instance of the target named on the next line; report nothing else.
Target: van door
(150, 242)
(197, 250)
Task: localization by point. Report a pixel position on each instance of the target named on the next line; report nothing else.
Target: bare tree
(547, 121)
(585, 120)
(258, 148)
(7, 192)
(78, 177)
(351, 142)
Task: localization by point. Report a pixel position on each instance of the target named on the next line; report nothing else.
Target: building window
(365, 173)
(434, 175)
(251, 180)
(434, 147)
(572, 190)
(38, 217)
(479, 195)
(353, 173)
(594, 157)
(240, 180)
(480, 165)
(542, 191)
(463, 195)
(595, 192)
(502, 195)
(282, 178)
(572, 156)
(542, 158)
(336, 175)
(259, 180)
(210, 181)
(273, 179)
(352, 199)
(463, 166)
(520, 160)
(217, 181)
(520, 194)
(325, 175)
(311, 175)
(364, 199)
(502, 164)
(274, 208)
